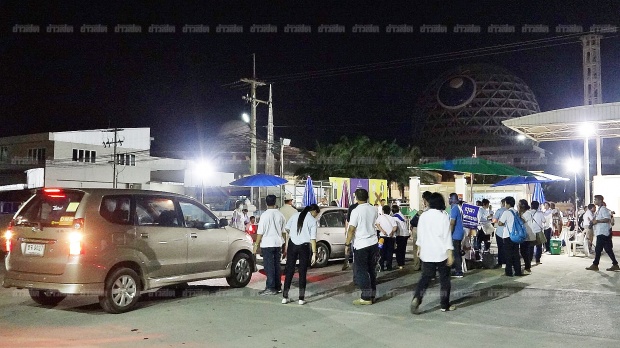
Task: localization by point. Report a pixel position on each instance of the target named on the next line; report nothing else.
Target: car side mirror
(223, 222)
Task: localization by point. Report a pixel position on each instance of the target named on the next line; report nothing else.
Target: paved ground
(559, 305)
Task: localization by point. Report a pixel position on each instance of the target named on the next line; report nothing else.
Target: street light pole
(576, 191)
(283, 142)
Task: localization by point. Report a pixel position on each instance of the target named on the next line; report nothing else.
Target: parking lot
(558, 305)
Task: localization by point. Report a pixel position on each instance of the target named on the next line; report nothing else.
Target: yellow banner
(377, 190)
(337, 184)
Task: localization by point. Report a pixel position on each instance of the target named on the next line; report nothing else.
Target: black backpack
(414, 220)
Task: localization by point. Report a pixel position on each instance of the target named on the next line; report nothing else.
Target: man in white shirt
(511, 249)
(537, 223)
(485, 229)
(287, 209)
(362, 231)
(602, 225)
(548, 226)
(269, 236)
(387, 227)
(588, 216)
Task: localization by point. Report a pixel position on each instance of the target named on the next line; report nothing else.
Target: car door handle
(193, 235)
(144, 235)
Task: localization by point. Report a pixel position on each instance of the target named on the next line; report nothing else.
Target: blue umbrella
(538, 178)
(538, 194)
(259, 180)
(309, 197)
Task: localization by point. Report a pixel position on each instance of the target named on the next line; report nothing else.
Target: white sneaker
(302, 302)
(504, 266)
(286, 300)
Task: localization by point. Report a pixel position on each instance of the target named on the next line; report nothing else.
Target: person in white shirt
(362, 231)
(588, 216)
(485, 228)
(511, 249)
(602, 225)
(435, 249)
(238, 218)
(537, 224)
(301, 237)
(402, 236)
(386, 225)
(527, 247)
(269, 237)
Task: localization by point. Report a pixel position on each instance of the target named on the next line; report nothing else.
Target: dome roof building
(464, 108)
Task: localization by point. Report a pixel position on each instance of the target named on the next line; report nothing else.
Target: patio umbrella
(538, 178)
(344, 198)
(475, 165)
(538, 194)
(259, 180)
(309, 197)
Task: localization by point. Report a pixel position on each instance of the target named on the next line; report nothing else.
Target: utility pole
(114, 143)
(254, 103)
(269, 165)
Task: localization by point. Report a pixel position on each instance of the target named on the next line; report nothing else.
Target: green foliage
(363, 158)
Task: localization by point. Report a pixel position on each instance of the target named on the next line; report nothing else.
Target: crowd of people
(374, 235)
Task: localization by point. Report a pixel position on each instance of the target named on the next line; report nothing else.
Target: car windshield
(50, 209)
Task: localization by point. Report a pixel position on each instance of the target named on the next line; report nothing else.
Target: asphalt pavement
(559, 305)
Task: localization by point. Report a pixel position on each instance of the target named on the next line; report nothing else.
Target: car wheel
(121, 292)
(240, 271)
(46, 297)
(322, 254)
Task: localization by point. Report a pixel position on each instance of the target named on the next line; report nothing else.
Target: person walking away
(527, 247)
(588, 216)
(511, 249)
(402, 236)
(301, 238)
(362, 232)
(287, 209)
(414, 229)
(457, 232)
(387, 227)
(269, 237)
(435, 247)
(602, 225)
(500, 235)
(538, 225)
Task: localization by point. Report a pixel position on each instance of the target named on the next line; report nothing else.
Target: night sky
(178, 84)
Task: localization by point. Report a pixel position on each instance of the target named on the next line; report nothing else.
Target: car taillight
(8, 238)
(75, 238)
(54, 193)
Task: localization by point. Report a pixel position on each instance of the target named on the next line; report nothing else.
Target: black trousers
(513, 261)
(296, 252)
(401, 248)
(547, 232)
(428, 272)
(604, 242)
(501, 257)
(387, 253)
(365, 260)
(527, 252)
(483, 237)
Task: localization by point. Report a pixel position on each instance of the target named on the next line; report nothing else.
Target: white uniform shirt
(434, 237)
(387, 223)
(602, 229)
(308, 229)
(401, 222)
(528, 216)
(588, 216)
(508, 220)
(271, 226)
(363, 217)
(537, 222)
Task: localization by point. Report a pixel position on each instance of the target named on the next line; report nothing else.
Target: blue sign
(470, 216)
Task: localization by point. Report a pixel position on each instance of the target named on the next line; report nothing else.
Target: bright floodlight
(286, 142)
(572, 165)
(245, 117)
(587, 129)
(204, 170)
(521, 137)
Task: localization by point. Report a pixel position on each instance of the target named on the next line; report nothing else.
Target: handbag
(540, 238)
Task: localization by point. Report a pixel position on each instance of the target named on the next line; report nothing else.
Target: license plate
(35, 249)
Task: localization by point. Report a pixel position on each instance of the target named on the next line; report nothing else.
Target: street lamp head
(521, 137)
(245, 117)
(286, 142)
(572, 165)
(587, 129)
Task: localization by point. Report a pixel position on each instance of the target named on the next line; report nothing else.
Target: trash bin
(556, 246)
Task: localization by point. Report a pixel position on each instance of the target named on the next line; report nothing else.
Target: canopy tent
(521, 180)
(475, 165)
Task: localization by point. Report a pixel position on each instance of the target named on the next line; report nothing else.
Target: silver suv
(118, 243)
(330, 236)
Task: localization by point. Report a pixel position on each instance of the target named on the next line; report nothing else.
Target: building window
(125, 159)
(37, 155)
(87, 156)
(4, 153)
